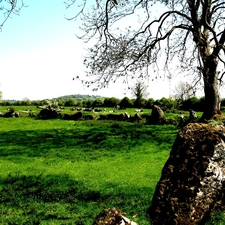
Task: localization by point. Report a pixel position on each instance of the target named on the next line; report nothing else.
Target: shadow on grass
(18, 189)
(26, 192)
(37, 143)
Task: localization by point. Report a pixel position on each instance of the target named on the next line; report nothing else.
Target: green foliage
(217, 218)
(150, 103)
(191, 103)
(97, 102)
(139, 91)
(215, 122)
(70, 102)
(111, 102)
(167, 104)
(87, 103)
(126, 103)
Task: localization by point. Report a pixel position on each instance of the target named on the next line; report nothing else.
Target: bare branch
(183, 38)
(8, 8)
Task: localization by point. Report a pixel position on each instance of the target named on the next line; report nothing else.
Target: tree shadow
(26, 192)
(37, 143)
(19, 189)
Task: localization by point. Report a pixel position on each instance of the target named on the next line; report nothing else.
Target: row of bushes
(167, 104)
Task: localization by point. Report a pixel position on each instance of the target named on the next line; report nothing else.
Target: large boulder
(157, 115)
(126, 116)
(49, 113)
(75, 116)
(112, 216)
(192, 115)
(11, 114)
(89, 117)
(136, 118)
(192, 181)
(102, 117)
(118, 117)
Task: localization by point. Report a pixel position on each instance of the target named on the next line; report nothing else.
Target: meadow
(66, 172)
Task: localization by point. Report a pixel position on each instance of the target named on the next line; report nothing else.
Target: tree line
(167, 104)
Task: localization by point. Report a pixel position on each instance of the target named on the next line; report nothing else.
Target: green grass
(63, 172)
(66, 172)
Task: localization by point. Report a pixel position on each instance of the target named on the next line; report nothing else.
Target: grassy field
(66, 172)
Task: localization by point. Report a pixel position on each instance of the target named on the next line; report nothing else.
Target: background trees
(189, 33)
(70, 102)
(126, 103)
(97, 102)
(111, 102)
(184, 91)
(167, 104)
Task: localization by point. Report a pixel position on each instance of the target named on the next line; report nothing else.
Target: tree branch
(9, 8)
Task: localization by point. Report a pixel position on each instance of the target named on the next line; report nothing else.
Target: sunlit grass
(58, 172)
(66, 172)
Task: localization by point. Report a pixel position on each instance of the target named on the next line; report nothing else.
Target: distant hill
(79, 97)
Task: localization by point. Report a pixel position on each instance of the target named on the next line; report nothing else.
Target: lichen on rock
(191, 184)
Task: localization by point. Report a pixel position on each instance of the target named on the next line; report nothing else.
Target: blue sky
(40, 55)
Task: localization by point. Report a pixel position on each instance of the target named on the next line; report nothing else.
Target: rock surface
(157, 115)
(192, 180)
(112, 216)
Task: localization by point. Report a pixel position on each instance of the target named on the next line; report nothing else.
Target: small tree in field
(139, 91)
(187, 34)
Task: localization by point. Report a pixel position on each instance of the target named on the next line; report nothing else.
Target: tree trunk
(212, 96)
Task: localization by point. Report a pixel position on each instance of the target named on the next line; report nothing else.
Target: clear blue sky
(40, 55)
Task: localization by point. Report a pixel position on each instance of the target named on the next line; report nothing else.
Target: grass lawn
(66, 172)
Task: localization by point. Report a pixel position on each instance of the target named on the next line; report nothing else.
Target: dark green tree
(70, 102)
(126, 103)
(186, 37)
(140, 92)
(111, 102)
(89, 103)
(149, 104)
(168, 104)
(191, 103)
(97, 102)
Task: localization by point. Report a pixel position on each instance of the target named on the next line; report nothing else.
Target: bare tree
(184, 91)
(9, 8)
(190, 34)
